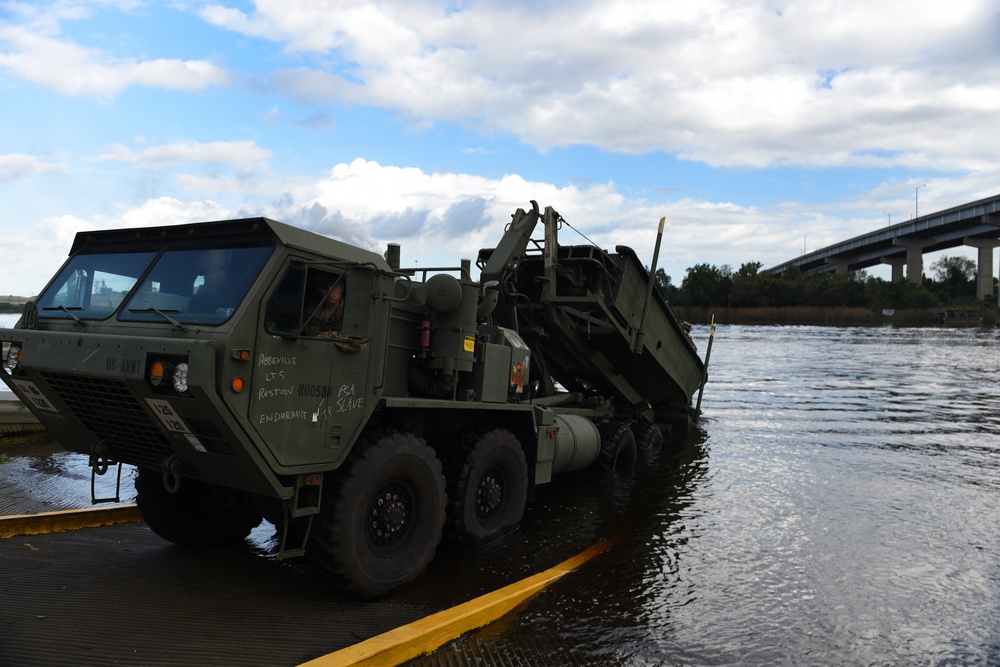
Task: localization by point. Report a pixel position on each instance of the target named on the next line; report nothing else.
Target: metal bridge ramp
(587, 318)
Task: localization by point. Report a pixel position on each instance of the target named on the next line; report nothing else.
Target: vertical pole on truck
(640, 332)
(550, 253)
(708, 355)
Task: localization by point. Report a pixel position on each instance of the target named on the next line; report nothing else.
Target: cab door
(310, 389)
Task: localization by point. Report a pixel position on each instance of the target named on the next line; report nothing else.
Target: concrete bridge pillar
(897, 264)
(841, 263)
(914, 257)
(984, 267)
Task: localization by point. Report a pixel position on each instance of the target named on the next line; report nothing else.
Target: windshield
(195, 286)
(92, 286)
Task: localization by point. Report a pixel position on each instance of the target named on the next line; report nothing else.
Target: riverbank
(855, 317)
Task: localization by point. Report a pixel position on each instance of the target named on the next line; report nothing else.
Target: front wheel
(487, 489)
(381, 517)
(198, 515)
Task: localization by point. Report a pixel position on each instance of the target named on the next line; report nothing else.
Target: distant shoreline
(13, 304)
(812, 316)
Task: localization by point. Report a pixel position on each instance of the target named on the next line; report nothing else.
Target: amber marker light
(241, 355)
(156, 373)
(237, 384)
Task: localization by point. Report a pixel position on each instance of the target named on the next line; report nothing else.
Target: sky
(758, 128)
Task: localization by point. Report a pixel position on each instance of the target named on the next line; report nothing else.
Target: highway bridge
(976, 224)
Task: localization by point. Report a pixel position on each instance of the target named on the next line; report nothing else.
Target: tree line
(953, 284)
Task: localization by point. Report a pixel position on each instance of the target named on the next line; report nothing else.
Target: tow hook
(99, 460)
(172, 467)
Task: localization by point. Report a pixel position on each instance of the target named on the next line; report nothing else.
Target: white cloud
(897, 83)
(241, 154)
(168, 211)
(18, 165)
(71, 69)
(31, 255)
(308, 26)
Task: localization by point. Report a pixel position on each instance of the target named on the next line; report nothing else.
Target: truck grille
(107, 408)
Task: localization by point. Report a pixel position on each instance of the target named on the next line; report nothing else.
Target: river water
(838, 504)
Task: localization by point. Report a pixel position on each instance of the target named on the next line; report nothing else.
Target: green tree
(706, 285)
(790, 288)
(753, 289)
(954, 269)
(748, 271)
(903, 295)
(955, 278)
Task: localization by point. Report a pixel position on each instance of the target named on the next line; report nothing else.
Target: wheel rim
(392, 514)
(491, 495)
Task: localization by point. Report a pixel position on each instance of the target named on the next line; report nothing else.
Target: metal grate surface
(107, 408)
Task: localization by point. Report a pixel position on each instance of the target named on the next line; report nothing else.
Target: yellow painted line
(53, 522)
(428, 634)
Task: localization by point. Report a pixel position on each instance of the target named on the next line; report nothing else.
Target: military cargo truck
(251, 370)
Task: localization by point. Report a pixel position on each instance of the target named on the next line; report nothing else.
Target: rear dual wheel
(648, 436)
(617, 445)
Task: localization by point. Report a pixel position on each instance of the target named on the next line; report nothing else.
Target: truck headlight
(13, 357)
(181, 378)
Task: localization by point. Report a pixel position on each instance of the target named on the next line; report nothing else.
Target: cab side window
(307, 301)
(324, 313)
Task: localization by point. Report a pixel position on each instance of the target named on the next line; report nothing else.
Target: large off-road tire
(648, 436)
(487, 489)
(381, 517)
(617, 445)
(197, 516)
